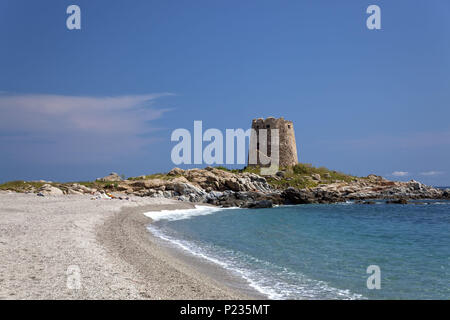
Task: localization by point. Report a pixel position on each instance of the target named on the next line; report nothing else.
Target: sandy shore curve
(47, 241)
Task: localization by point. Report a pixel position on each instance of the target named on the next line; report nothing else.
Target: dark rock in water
(229, 204)
(243, 199)
(294, 196)
(276, 198)
(305, 196)
(398, 201)
(259, 204)
(364, 202)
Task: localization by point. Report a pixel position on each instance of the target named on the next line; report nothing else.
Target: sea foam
(260, 275)
(180, 214)
(318, 251)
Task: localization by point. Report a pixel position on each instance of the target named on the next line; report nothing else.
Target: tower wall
(287, 146)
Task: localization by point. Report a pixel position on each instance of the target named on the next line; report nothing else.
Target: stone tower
(287, 146)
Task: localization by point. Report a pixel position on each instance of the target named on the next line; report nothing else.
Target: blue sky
(76, 105)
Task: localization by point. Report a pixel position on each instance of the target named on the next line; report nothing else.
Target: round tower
(287, 147)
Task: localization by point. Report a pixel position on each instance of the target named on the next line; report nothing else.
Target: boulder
(446, 194)
(191, 192)
(76, 188)
(398, 201)
(373, 177)
(259, 204)
(221, 180)
(145, 184)
(49, 190)
(176, 172)
(111, 177)
(213, 196)
(295, 196)
(72, 191)
(415, 185)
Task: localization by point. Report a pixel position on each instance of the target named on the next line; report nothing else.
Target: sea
(322, 251)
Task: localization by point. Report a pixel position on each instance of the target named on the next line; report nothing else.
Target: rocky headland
(240, 188)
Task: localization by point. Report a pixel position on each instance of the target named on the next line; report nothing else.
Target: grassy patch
(21, 186)
(229, 170)
(300, 176)
(162, 176)
(296, 182)
(89, 184)
(327, 175)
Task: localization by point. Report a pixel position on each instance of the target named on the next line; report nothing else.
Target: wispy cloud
(81, 126)
(400, 173)
(431, 173)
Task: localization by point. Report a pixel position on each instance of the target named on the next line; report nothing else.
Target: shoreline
(44, 239)
(206, 280)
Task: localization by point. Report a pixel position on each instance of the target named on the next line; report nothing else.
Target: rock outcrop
(372, 187)
(228, 189)
(248, 190)
(49, 190)
(110, 178)
(76, 188)
(196, 183)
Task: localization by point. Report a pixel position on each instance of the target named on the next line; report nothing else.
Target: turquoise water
(323, 251)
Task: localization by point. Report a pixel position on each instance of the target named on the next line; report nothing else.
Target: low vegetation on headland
(300, 176)
(302, 183)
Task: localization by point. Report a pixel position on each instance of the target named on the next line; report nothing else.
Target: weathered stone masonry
(287, 146)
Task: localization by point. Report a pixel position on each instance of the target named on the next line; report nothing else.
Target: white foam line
(272, 289)
(180, 214)
(196, 251)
